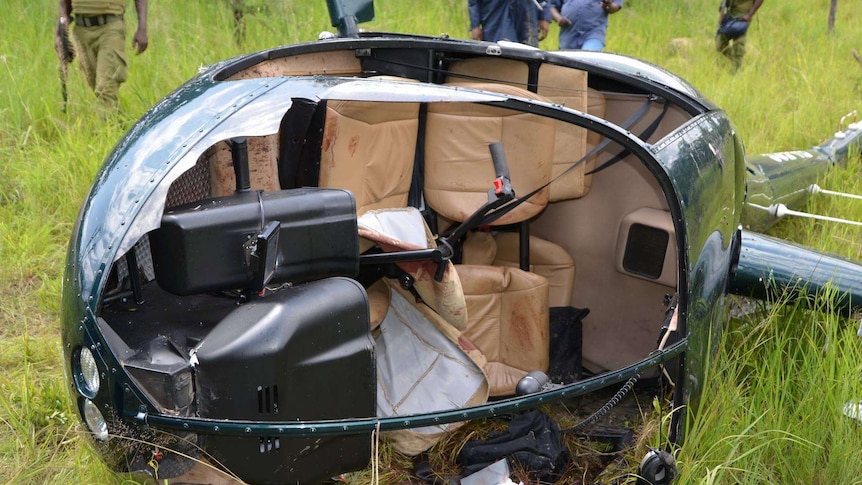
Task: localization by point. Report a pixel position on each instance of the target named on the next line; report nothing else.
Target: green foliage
(771, 411)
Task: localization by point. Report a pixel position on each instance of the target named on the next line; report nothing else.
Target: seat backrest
(561, 85)
(458, 167)
(368, 148)
(489, 69)
(568, 87)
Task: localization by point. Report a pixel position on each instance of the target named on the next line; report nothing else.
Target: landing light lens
(88, 374)
(95, 421)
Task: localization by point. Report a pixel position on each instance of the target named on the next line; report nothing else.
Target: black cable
(613, 401)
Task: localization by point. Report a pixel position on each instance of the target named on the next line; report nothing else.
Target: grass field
(772, 407)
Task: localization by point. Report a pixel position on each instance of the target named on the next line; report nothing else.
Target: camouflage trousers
(102, 51)
(733, 49)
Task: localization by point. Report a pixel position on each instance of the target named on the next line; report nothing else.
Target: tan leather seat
(507, 308)
(546, 258)
(561, 85)
(530, 149)
(458, 166)
(368, 148)
(568, 87)
(507, 311)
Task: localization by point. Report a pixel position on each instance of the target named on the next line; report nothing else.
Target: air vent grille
(267, 399)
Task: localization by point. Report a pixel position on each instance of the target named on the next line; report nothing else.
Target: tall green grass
(771, 409)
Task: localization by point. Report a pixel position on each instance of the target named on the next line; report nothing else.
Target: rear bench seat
(369, 149)
(559, 85)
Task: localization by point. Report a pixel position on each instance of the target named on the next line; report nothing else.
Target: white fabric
(419, 370)
(405, 224)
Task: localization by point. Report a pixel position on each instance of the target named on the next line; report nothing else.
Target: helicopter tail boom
(787, 177)
(770, 269)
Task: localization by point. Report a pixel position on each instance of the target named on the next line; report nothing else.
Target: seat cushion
(546, 259)
(507, 311)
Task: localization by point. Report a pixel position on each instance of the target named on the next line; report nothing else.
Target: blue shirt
(512, 20)
(589, 21)
(495, 18)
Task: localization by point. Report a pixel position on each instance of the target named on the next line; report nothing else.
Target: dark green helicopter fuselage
(663, 216)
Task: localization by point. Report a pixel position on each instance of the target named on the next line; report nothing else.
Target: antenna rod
(815, 189)
(781, 210)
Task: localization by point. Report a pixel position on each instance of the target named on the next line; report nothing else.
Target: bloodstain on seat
(353, 144)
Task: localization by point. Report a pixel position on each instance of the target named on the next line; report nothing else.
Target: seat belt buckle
(498, 186)
(502, 190)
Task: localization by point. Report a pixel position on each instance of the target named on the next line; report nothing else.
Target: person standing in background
(533, 21)
(734, 48)
(491, 20)
(583, 23)
(524, 21)
(100, 34)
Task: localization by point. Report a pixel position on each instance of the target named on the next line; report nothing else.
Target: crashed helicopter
(384, 235)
